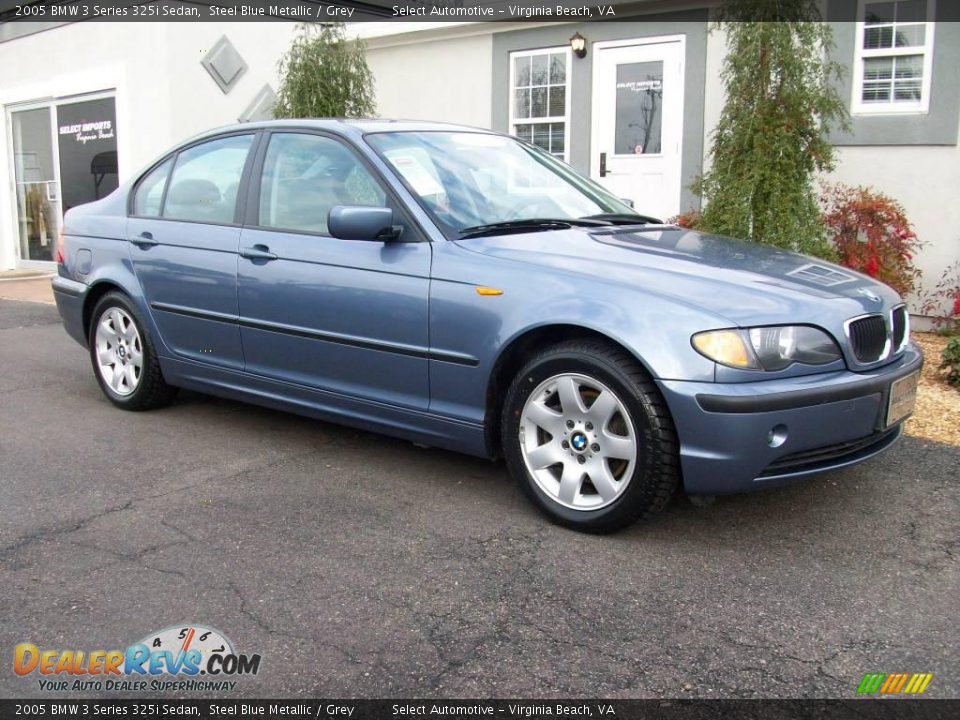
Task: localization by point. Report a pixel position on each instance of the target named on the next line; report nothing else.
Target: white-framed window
(540, 98)
(894, 57)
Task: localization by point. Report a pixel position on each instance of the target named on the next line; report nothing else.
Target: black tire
(151, 390)
(656, 474)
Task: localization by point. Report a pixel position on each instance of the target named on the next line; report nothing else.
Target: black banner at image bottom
(865, 709)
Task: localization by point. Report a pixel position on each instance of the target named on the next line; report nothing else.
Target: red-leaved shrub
(872, 234)
(689, 220)
(943, 303)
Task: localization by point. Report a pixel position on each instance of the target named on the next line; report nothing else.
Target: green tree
(324, 74)
(772, 137)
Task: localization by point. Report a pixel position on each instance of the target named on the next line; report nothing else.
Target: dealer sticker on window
(903, 396)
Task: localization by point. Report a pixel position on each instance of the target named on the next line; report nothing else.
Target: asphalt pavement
(361, 566)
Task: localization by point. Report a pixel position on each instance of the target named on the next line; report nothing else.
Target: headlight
(767, 348)
(726, 347)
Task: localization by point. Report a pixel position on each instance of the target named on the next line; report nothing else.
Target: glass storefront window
(87, 141)
(64, 154)
(38, 204)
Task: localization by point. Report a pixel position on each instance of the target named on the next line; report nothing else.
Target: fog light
(777, 436)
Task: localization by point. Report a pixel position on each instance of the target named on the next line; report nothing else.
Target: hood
(744, 282)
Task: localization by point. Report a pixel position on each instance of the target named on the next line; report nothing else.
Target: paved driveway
(358, 565)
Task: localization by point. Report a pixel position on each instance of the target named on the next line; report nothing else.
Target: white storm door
(638, 122)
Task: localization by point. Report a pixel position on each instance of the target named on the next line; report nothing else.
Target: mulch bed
(937, 415)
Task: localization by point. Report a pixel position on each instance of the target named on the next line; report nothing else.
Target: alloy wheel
(578, 441)
(119, 351)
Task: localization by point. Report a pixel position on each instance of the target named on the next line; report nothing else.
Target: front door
(345, 316)
(638, 122)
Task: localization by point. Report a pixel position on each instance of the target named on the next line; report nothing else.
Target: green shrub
(324, 74)
(772, 138)
(951, 361)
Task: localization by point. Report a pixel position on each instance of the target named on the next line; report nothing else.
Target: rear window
(150, 191)
(206, 181)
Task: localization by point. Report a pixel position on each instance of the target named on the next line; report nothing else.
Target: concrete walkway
(26, 286)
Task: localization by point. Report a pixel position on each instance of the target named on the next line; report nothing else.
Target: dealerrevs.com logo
(189, 657)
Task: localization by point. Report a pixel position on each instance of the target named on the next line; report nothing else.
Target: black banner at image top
(42, 708)
(60, 11)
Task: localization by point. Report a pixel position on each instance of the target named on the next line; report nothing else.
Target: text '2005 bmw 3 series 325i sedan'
(466, 290)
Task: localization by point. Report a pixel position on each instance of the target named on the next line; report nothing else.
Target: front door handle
(144, 240)
(257, 252)
(603, 164)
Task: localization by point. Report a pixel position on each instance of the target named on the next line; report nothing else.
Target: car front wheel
(123, 356)
(589, 438)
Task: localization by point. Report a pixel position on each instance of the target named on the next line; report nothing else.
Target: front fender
(482, 327)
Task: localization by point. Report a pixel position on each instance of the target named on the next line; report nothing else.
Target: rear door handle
(258, 252)
(144, 240)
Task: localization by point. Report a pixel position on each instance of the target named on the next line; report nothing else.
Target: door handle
(603, 164)
(257, 252)
(144, 240)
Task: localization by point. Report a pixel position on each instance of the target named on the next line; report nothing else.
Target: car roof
(353, 127)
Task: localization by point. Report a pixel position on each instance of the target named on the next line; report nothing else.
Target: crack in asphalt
(41, 534)
(264, 626)
(57, 530)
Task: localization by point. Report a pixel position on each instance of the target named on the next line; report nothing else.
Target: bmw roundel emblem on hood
(869, 294)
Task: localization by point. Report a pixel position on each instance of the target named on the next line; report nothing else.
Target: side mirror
(362, 222)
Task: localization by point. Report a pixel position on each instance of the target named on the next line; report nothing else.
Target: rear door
(184, 232)
(345, 316)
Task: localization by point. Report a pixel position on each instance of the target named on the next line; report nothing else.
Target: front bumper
(70, 296)
(818, 423)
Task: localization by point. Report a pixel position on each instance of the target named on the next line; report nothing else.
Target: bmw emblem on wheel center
(578, 441)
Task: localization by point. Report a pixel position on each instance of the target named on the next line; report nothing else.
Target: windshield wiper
(531, 224)
(624, 219)
(515, 226)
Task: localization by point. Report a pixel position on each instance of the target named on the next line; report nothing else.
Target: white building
(635, 112)
(146, 79)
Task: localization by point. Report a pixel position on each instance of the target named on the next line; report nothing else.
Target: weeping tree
(772, 137)
(324, 74)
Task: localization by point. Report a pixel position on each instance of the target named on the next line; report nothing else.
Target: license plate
(903, 396)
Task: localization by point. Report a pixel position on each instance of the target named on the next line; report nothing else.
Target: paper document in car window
(417, 169)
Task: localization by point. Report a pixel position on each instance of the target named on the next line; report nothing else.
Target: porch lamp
(578, 43)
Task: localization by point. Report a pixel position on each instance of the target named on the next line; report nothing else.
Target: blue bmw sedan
(466, 290)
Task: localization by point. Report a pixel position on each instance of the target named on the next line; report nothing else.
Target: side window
(304, 176)
(206, 181)
(150, 191)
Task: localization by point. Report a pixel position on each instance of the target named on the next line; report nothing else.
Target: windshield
(470, 180)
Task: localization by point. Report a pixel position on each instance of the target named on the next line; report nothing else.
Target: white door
(638, 122)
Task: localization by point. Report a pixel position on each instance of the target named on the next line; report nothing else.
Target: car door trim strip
(350, 341)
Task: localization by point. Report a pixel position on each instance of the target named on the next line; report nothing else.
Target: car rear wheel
(589, 438)
(123, 356)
